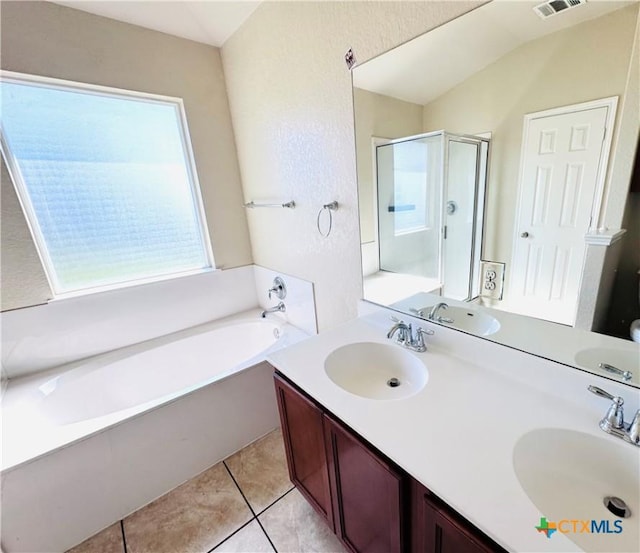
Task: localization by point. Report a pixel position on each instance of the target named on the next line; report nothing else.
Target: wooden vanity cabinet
(367, 493)
(372, 505)
(436, 528)
(304, 441)
(355, 490)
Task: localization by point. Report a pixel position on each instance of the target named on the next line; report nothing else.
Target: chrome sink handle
(418, 343)
(626, 375)
(602, 393)
(613, 422)
(614, 419)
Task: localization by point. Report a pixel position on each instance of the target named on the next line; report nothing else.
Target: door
(367, 494)
(561, 166)
(437, 529)
(303, 433)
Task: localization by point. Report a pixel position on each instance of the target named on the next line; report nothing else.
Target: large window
(106, 180)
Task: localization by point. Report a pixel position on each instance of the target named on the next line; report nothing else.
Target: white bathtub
(118, 382)
(116, 431)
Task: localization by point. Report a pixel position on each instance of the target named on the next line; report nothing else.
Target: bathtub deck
(244, 504)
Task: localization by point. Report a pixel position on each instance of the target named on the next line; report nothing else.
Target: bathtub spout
(280, 307)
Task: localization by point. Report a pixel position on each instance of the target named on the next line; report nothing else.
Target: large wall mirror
(496, 182)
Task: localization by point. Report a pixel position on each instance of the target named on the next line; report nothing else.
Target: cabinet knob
(524, 235)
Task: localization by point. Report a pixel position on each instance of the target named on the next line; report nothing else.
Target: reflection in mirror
(421, 246)
(498, 174)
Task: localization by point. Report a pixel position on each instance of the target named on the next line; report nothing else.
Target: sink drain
(617, 506)
(393, 382)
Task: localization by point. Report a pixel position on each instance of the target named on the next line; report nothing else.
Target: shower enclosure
(430, 196)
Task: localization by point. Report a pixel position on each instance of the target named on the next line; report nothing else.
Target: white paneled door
(561, 168)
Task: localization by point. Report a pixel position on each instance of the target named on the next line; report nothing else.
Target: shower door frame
(473, 290)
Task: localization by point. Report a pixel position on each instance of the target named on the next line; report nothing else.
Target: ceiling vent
(554, 7)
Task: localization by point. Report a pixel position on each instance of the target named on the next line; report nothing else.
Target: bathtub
(156, 374)
(118, 430)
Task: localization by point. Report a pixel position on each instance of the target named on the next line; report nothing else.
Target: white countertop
(456, 436)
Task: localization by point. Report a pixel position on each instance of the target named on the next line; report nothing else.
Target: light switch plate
(492, 275)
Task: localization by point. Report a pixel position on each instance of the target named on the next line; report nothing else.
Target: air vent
(554, 7)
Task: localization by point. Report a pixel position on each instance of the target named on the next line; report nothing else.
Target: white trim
(99, 90)
(190, 163)
(30, 217)
(604, 237)
(129, 284)
(23, 196)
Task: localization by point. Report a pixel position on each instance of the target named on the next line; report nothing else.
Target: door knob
(524, 235)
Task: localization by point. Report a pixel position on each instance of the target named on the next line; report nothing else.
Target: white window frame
(25, 202)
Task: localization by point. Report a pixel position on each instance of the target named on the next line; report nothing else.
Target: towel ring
(330, 207)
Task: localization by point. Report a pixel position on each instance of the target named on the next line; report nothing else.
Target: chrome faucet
(406, 337)
(403, 330)
(613, 421)
(433, 314)
(281, 307)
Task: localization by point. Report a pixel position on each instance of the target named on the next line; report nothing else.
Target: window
(413, 189)
(107, 182)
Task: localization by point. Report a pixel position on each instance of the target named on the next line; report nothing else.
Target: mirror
(494, 158)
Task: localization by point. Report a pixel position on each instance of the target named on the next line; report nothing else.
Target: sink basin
(567, 475)
(469, 320)
(366, 369)
(625, 359)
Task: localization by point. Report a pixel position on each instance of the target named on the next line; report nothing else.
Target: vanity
(468, 447)
(365, 498)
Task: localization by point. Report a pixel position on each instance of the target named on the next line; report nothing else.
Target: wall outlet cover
(492, 279)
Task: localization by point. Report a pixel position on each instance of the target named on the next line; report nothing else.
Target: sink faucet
(613, 422)
(433, 314)
(406, 337)
(280, 307)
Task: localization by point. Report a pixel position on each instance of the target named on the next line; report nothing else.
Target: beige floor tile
(193, 518)
(294, 526)
(251, 539)
(107, 541)
(261, 471)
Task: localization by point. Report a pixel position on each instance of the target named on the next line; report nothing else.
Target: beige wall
(382, 117)
(568, 60)
(291, 103)
(47, 39)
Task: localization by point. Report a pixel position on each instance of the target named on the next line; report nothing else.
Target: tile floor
(245, 504)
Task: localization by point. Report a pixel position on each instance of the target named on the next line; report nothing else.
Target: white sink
(567, 475)
(366, 369)
(624, 358)
(469, 320)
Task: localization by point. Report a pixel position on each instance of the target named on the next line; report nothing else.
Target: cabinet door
(437, 529)
(302, 430)
(367, 494)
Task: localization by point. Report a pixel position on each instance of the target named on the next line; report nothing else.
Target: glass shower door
(463, 216)
(409, 208)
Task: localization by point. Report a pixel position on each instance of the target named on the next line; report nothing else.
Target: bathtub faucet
(280, 307)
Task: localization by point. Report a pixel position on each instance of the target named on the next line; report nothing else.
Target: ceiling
(426, 67)
(208, 21)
